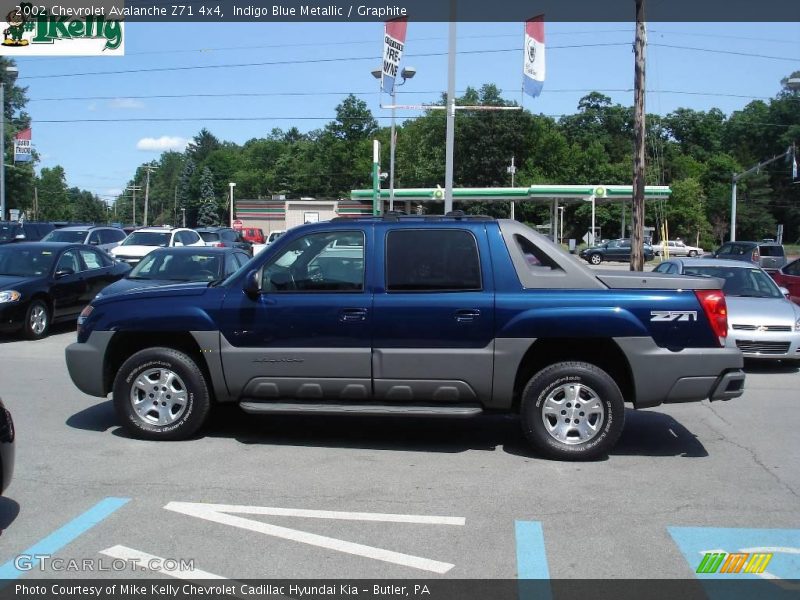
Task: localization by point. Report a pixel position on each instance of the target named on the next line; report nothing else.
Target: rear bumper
(661, 376)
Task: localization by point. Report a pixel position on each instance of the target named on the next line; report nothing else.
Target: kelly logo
(31, 30)
(734, 562)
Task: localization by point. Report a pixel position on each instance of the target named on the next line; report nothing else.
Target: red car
(789, 277)
(253, 235)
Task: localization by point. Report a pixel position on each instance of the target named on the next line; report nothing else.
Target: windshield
(26, 262)
(179, 266)
(147, 238)
(59, 235)
(8, 231)
(741, 282)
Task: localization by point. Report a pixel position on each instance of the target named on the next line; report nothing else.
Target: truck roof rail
(396, 216)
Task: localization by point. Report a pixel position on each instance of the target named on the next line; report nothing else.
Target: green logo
(47, 28)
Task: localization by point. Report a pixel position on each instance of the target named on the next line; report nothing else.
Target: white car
(676, 248)
(146, 239)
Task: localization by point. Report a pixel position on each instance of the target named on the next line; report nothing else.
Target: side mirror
(64, 272)
(252, 286)
(784, 291)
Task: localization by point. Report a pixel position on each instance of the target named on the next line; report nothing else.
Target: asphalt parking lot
(387, 498)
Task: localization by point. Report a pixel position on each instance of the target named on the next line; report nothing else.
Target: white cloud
(165, 142)
(125, 103)
(113, 192)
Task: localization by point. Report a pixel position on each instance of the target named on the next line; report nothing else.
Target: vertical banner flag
(22, 146)
(794, 167)
(394, 41)
(533, 68)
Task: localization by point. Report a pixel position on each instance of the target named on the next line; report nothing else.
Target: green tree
(208, 215)
(20, 177)
(53, 197)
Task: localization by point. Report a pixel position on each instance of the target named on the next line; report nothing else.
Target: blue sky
(101, 157)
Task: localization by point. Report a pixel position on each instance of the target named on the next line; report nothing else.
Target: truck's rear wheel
(161, 394)
(572, 411)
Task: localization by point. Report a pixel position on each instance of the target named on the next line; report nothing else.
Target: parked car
(166, 266)
(146, 239)
(45, 282)
(105, 238)
(7, 435)
(274, 235)
(676, 248)
(28, 231)
(614, 250)
(412, 316)
(788, 276)
(224, 237)
(254, 235)
(768, 255)
(762, 322)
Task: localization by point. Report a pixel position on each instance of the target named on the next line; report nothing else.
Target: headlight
(797, 324)
(10, 296)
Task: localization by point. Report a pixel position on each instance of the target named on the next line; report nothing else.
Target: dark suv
(768, 255)
(224, 237)
(14, 231)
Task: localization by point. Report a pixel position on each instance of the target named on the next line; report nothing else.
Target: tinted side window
(95, 237)
(228, 236)
(190, 237)
(724, 249)
(92, 259)
(793, 269)
(427, 260)
(769, 250)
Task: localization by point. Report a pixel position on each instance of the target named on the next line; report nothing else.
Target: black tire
(595, 258)
(189, 383)
(603, 390)
(692, 253)
(37, 320)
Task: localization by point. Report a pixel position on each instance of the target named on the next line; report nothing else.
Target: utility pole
(512, 169)
(637, 233)
(148, 168)
(175, 206)
(133, 188)
(35, 203)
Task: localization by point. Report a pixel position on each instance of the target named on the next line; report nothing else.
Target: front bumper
(661, 376)
(85, 363)
(7, 435)
(765, 345)
(12, 315)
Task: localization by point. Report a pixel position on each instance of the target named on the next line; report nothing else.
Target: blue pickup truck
(445, 316)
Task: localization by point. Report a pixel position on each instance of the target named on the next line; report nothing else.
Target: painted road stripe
(63, 536)
(213, 512)
(316, 514)
(149, 561)
(531, 556)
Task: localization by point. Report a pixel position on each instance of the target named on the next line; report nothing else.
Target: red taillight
(716, 309)
(219, 245)
(756, 256)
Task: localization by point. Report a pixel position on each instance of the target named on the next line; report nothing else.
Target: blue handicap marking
(782, 568)
(532, 570)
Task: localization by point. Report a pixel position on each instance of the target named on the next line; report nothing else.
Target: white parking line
(156, 563)
(218, 514)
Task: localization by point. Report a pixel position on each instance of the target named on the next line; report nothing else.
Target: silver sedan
(762, 322)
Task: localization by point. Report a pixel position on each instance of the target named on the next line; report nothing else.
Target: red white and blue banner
(533, 67)
(394, 42)
(22, 146)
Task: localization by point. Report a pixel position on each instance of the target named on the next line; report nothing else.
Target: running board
(334, 408)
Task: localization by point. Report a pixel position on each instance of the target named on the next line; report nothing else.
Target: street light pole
(183, 213)
(11, 73)
(148, 168)
(406, 73)
(450, 134)
(232, 185)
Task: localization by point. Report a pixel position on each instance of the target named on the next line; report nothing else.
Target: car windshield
(8, 231)
(59, 235)
(740, 282)
(147, 238)
(209, 236)
(179, 266)
(26, 262)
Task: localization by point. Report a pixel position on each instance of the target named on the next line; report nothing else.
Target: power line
(374, 93)
(733, 52)
(302, 61)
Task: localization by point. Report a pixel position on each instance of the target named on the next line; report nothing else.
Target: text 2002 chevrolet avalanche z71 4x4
(443, 316)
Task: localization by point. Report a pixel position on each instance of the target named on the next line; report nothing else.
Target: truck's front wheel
(161, 394)
(572, 411)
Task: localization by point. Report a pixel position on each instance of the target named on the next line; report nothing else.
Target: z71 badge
(673, 315)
